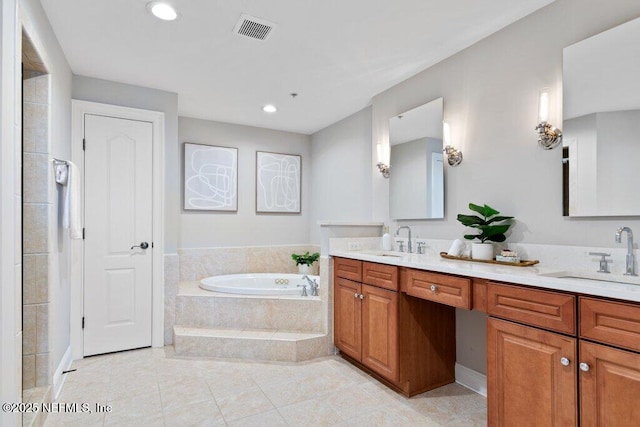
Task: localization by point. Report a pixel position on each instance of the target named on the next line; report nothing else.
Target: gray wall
(341, 176)
(107, 92)
(60, 140)
(490, 95)
(246, 227)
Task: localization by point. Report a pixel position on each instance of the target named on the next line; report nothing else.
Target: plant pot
(304, 269)
(482, 251)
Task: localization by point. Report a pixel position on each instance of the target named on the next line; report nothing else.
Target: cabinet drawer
(610, 322)
(348, 269)
(441, 288)
(381, 275)
(549, 310)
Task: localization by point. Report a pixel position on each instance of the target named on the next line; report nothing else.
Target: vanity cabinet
(531, 363)
(609, 387)
(366, 317)
(609, 377)
(442, 288)
(348, 317)
(553, 357)
(527, 381)
(406, 342)
(554, 352)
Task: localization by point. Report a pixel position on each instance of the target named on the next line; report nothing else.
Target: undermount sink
(603, 277)
(388, 254)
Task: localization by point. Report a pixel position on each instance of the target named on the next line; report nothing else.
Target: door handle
(143, 245)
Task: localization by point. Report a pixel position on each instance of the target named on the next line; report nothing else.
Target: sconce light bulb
(543, 111)
(446, 134)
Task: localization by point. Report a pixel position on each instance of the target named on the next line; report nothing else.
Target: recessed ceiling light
(162, 11)
(269, 108)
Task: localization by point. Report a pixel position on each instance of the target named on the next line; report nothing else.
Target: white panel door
(117, 215)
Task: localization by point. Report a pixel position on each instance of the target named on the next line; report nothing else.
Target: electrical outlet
(354, 246)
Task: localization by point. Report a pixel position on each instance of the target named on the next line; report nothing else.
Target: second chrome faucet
(630, 269)
(406, 227)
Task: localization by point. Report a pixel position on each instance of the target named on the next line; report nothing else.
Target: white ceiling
(336, 54)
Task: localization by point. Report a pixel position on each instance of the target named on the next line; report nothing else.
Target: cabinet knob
(564, 361)
(356, 295)
(361, 296)
(434, 288)
(584, 367)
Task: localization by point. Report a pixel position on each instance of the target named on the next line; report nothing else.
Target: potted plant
(304, 261)
(491, 227)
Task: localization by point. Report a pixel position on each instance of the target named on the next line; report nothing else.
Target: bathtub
(258, 284)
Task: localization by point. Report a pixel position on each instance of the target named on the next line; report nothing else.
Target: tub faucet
(304, 290)
(406, 227)
(313, 285)
(630, 270)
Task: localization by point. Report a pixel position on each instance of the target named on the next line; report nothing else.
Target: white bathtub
(258, 284)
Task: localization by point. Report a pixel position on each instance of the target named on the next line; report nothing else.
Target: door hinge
(84, 144)
(82, 233)
(82, 322)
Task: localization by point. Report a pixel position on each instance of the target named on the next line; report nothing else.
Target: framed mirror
(601, 143)
(416, 184)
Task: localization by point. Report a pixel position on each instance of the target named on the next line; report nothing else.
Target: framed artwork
(278, 182)
(210, 178)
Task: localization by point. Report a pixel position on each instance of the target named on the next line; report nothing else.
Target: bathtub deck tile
(252, 344)
(257, 333)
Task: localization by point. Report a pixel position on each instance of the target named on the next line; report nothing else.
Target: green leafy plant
(305, 258)
(490, 225)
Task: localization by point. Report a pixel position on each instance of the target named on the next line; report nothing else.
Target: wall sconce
(454, 157)
(549, 137)
(384, 154)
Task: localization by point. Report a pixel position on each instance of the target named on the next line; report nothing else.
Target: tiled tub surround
(198, 263)
(274, 328)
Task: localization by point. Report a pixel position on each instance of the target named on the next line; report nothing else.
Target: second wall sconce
(549, 137)
(384, 154)
(454, 156)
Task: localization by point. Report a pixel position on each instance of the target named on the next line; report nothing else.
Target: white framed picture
(278, 182)
(210, 178)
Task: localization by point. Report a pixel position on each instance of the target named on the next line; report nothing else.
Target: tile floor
(153, 387)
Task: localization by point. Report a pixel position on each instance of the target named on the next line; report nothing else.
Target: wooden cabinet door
(610, 388)
(380, 331)
(348, 317)
(528, 385)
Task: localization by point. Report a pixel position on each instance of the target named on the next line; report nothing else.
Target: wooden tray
(523, 263)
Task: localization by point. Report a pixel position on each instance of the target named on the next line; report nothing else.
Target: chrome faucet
(630, 270)
(408, 241)
(313, 285)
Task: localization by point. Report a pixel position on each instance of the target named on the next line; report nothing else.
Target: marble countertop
(537, 275)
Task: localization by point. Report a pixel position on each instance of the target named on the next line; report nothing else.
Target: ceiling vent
(255, 28)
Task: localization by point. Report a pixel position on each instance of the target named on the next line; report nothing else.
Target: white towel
(457, 248)
(71, 211)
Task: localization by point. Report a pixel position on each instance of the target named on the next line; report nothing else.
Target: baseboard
(58, 376)
(471, 379)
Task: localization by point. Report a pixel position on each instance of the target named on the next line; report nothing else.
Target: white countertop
(532, 276)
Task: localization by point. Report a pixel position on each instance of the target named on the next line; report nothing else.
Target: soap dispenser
(386, 239)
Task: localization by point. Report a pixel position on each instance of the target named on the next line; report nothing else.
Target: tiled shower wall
(190, 265)
(36, 210)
